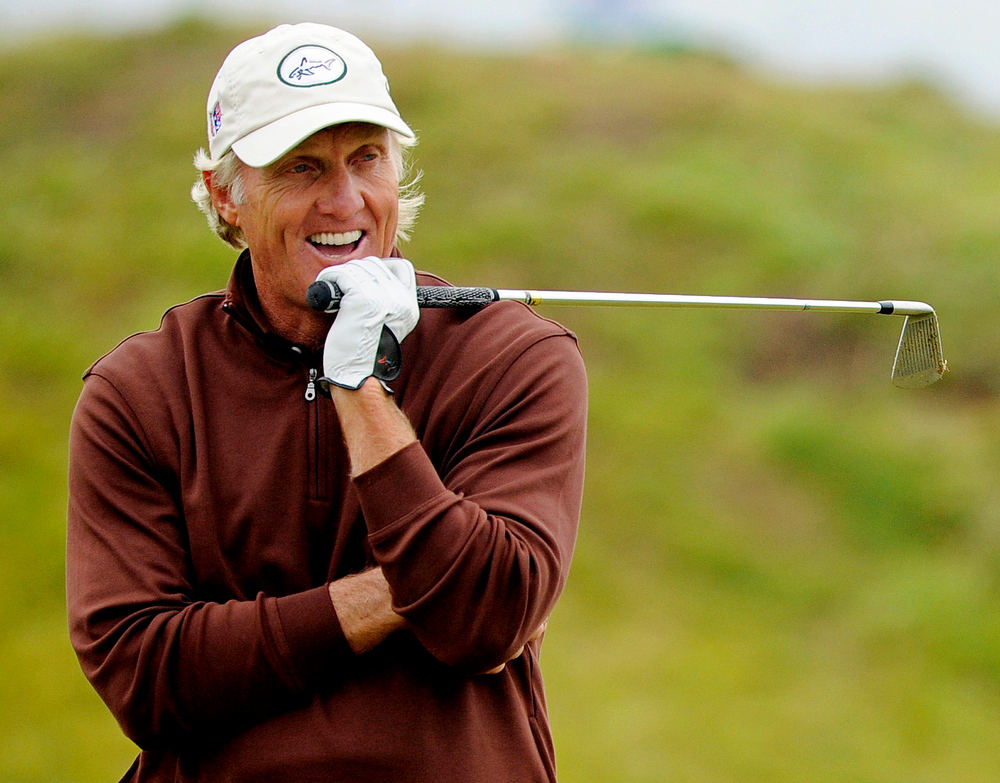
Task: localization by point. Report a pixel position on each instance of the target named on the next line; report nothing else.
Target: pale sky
(954, 42)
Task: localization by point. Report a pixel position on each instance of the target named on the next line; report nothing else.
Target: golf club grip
(325, 297)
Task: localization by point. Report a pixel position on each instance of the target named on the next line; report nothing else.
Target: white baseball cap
(274, 91)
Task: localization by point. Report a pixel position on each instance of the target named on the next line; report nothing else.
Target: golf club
(919, 358)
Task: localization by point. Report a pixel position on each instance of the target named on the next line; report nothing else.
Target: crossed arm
(374, 429)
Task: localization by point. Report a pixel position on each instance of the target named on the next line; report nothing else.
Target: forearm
(176, 674)
(374, 428)
(473, 586)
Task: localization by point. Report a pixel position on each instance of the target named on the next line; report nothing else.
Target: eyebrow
(362, 134)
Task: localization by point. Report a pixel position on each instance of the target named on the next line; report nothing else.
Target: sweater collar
(242, 303)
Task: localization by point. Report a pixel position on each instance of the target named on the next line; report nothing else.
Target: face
(333, 198)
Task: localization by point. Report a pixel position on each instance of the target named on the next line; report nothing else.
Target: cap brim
(265, 145)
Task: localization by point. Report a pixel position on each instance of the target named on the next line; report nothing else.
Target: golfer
(314, 548)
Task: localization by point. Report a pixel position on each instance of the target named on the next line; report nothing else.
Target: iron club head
(919, 358)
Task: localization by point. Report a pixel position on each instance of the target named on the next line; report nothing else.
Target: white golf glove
(377, 295)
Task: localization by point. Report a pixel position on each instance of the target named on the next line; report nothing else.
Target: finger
(403, 270)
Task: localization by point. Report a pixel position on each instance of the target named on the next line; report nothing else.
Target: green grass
(787, 568)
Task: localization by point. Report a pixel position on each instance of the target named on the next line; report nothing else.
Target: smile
(337, 240)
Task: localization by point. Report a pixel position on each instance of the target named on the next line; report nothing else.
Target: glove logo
(311, 66)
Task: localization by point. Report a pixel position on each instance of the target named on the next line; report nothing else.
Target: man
(265, 583)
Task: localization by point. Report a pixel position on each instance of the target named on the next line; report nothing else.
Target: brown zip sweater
(211, 505)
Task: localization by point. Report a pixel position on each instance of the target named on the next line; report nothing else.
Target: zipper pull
(311, 386)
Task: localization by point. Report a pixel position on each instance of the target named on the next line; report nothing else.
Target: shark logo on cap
(311, 66)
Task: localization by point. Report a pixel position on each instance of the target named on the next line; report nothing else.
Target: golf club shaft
(887, 307)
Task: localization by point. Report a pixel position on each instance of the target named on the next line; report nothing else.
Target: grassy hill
(787, 568)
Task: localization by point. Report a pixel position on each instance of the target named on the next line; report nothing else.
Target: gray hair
(227, 174)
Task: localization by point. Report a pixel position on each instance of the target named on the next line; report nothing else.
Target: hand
(538, 634)
(376, 293)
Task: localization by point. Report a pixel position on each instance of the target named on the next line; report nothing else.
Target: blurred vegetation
(787, 569)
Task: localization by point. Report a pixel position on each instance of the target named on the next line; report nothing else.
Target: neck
(300, 326)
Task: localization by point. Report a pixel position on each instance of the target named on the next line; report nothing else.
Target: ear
(225, 206)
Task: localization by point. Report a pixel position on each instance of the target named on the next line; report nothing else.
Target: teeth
(327, 238)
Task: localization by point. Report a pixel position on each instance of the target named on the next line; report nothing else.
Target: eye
(368, 154)
(299, 164)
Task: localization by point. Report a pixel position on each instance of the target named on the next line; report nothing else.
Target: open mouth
(337, 244)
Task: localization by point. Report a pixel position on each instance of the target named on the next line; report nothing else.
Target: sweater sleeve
(172, 669)
(476, 550)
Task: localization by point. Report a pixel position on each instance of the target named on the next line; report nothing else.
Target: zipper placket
(317, 461)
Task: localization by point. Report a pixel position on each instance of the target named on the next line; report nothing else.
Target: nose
(340, 195)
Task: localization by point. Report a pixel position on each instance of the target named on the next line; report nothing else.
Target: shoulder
(163, 346)
(137, 392)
